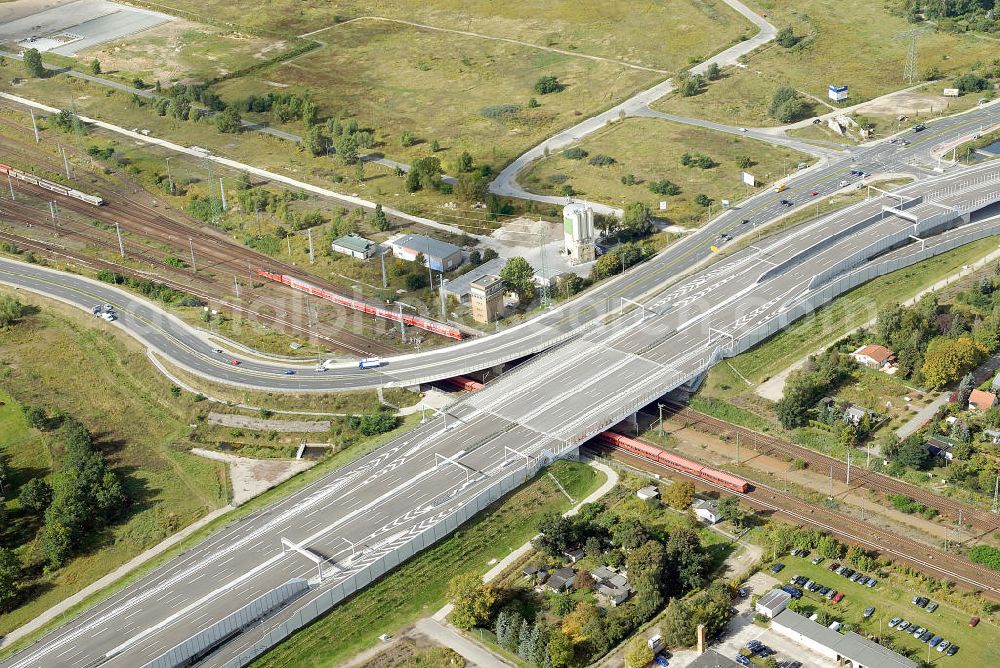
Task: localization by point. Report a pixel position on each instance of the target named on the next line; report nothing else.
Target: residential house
(992, 435)
(560, 579)
(574, 555)
(612, 588)
(939, 448)
(854, 415)
(874, 356)
(982, 401)
(707, 510)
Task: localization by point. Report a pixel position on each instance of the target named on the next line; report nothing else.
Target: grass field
(417, 588)
(845, 313)
(852, 43)
(393, 77)
(651, 150)
(684, 28)
(892, 598)
(55, 361)
(180, 50)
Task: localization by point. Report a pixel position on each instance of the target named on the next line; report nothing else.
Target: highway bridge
(605, 358)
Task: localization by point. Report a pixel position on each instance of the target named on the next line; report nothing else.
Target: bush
(986, 555)
(971, 83)
(601, 160)
(500, 111)
(698, 160)
(787, 38)
(664, 187)
(575, 153)
(548, 84)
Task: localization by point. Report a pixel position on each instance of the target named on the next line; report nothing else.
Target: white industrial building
(849, 649)
(578, 232)
(772, 603)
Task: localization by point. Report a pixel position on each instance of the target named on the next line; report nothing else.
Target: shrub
(601, 160)
(575, 153)
(500, 111)
(547, 84)
(664, 187)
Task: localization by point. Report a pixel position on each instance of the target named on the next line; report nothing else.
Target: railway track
(981, 520)
(211, 287)
(214, 251)
(54, 251)
(929, 560)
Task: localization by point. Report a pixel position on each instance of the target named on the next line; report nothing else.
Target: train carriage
(15, 173)
(675, 462)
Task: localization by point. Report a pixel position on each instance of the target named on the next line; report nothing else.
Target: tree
(229, 121)
(691, 86)
(745, 162)
(35, 416)
(435, 146)
(95, 66)
(560, 650)
(547, 84)
(316, 141)
(347, 148)
(677, 627)
(380, 221)
(686, 559)
(786, 37)
(638, 654)
(646, 565)
(965, 389)
(578, 620)
(465, 162)
(714, 71)
(947, 359)
(680, 495)
(35, 496)
(406, 139)
(912, 452)
(473, 600)
(519, 277)
(10, 577)
(471, 187)
(11, 310)
(636, 220)
(33, 63)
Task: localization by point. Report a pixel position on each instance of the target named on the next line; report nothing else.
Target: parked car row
(828, 593)
(923, 635)
(925, 603)
(853, 576)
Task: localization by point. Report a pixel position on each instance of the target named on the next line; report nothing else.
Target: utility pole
(34, 125)
(52, 210)
(65, 161)
(444, 314)
(288, 240)
(312, 257)
(121, 246)
(848, 469)
(660, 406)
(402, 326)
(737, 448)
(194, 266)
(222, 195)
(237, 284)
(996, 490)
(11, 184)
(170, 180)
(831, 481)
(385, 281)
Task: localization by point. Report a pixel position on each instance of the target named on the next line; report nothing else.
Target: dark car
(834, 566)
(931, 607)
(742, 660)
(744, 221)
(925, 636)
(868, 612)
(824, 591)
(784, 202)
(952, 650)
(973, 622)
(777, 567)
(289, 372)
(919, 127)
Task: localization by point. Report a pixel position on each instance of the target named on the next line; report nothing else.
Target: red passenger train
(695, 469)
(363, 306)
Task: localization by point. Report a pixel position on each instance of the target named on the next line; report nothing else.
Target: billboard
(749, 179)
(950, 92)
(836, 93)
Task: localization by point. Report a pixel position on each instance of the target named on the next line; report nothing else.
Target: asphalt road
(550, 405)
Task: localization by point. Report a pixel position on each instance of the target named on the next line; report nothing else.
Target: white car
(110, 317)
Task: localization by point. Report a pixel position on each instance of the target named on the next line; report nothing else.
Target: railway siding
(977, 518)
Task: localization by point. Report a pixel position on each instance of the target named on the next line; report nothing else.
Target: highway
(186, 348)
(602, 370)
